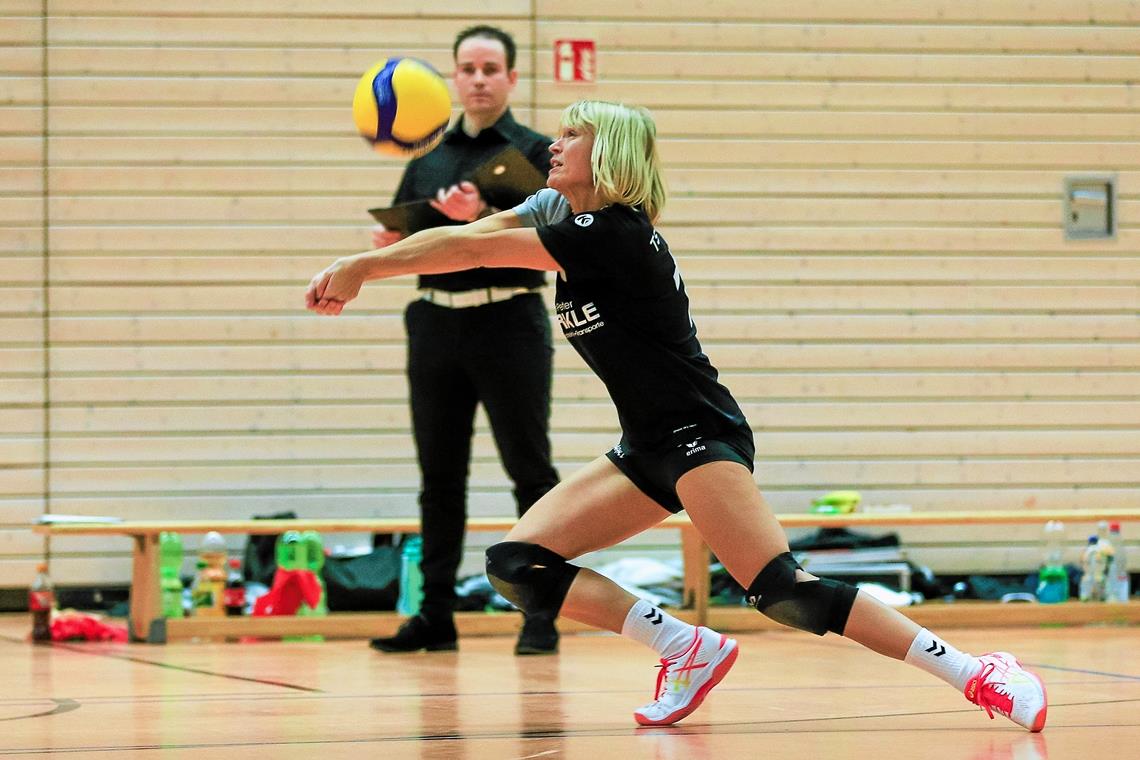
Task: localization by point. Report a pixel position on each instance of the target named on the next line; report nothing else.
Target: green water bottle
(1053, 578)
(314, 562)
(293, 548)
(411, 577)
(290, 551)
(170, 573)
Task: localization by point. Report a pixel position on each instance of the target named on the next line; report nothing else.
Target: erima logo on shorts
(694, 447)
(584, 220)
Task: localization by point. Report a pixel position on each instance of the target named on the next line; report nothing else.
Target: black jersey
(622, 305)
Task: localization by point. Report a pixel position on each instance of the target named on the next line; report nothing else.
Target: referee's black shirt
(453, 160)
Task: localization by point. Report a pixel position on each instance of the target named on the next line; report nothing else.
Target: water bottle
(1092, 572)
(1119, 584)
(201, 592)
(1053, 580)
(411, 577)
(170, 573)
(303, 551)
(41, 602)
(234, 595)
(314, 562)
(1088, 570)
(212, 545)
(290, 551)
(1105, 553)
(210, 584)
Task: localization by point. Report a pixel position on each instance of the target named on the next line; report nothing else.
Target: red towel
(290, 588)
(70, 625)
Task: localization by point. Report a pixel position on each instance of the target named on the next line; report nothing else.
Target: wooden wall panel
(866, 207)
(22, 290)
(841, 11)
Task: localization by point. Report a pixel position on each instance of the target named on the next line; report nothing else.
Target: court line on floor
(270, 697)
(1121, 676)
(799, 725)
(170, 666)
(324, 694)
(61, 706)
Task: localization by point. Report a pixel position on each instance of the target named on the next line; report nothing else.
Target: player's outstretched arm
(499, 240)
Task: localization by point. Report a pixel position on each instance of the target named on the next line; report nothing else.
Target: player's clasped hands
(330, 290)
(334, 287)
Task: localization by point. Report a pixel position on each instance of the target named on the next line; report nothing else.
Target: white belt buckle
(505, 294)
(467, 298)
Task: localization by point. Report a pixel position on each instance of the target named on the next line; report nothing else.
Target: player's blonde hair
(624, 160)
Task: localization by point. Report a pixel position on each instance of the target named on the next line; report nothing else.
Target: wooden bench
(147, 624)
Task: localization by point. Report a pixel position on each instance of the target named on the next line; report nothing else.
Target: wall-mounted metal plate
(1090, 206)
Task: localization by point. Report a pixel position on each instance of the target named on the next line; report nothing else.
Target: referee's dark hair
(491, 33)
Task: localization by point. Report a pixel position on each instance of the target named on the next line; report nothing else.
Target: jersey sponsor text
(576, 322)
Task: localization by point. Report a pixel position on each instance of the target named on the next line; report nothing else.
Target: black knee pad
(531, 577)
(817, 606)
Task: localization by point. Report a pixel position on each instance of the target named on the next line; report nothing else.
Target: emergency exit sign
(575, 61)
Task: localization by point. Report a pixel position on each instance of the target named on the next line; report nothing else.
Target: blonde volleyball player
(685, 443)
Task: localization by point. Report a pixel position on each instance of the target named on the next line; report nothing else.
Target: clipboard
(508, 178)
(504, 181)
(409, 217)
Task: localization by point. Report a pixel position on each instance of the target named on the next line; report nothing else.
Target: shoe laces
(990, 695)
(679, 670)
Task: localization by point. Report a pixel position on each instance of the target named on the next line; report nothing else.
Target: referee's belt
(465, 299)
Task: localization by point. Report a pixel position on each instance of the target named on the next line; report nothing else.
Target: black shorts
(656, 473)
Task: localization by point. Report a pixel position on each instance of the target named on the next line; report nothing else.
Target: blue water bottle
(411, 577)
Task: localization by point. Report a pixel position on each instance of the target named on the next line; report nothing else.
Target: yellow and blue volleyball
(402, 107)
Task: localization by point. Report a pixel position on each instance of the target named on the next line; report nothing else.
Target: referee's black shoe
(418, 633)
(538, 636)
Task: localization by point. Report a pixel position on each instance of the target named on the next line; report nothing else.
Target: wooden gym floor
(790, 696)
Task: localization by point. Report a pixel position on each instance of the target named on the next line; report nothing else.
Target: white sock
(932, 654)
(657, 629)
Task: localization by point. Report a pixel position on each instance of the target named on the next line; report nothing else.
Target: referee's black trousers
(499, 355)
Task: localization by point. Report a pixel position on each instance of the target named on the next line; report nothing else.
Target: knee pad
(531, 577)
(817, 606)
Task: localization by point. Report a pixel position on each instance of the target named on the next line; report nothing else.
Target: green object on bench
(314, 553)
(170, 557)
(837, 503)
(304, 551)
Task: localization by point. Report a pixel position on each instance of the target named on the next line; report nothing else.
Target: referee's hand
(382, 236)
(461, 203)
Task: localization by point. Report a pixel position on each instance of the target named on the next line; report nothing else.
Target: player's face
(570, 168)
(481, 77)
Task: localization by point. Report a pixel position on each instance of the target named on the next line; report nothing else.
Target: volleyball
(401, 107)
